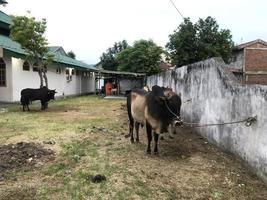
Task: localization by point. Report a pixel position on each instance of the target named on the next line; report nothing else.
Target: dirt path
(89, 138)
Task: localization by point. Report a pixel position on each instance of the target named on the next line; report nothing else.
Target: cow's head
(158, 94)
(51, 94)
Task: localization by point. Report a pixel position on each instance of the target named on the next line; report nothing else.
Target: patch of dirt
(22, 155)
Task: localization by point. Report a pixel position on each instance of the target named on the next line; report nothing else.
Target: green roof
(8, 44)
(5, 18)
(70, 61)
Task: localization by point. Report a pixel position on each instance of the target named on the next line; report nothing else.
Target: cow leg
(137, 131)
(149, 137)
(42, 105)
(46, 105)
(28, 106)
(131, 131)
(171, 131)
(156, 138)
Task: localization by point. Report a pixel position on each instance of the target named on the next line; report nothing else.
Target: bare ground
(89, 137)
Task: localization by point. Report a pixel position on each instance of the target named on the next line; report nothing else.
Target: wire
(177, 9)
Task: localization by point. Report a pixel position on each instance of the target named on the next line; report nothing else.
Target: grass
(89, 136)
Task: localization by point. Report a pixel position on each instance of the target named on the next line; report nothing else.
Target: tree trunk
(45, 78)
(41, 77)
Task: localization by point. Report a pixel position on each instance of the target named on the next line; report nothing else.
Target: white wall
(29, 79)
(6, 92)
(215, 98)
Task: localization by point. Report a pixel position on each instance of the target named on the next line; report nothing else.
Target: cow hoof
(137, 141)
(132, 141)
(148, 151)
(156, 153)
(171, 137)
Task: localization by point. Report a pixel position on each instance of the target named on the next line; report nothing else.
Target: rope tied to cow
(248, 121)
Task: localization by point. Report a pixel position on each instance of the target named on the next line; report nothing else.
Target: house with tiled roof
(68, 76)
(249, 62)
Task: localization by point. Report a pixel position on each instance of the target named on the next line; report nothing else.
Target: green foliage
(30, 34)
(71, 54)
(108, 59)
(143, 57)
(3, 2)
(194, 42)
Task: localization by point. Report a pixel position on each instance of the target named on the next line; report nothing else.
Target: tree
(108, 59)
(213, 42)
(30, 34)
(3, 2)
(194, 42)
(71, 54)
(143, 57)
(183, 44)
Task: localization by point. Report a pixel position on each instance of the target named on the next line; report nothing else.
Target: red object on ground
(108, 88)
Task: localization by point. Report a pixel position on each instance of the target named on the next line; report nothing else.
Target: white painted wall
(6, 92)
(216, 98)
(30, 79)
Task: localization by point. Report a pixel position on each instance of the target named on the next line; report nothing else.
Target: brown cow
(154, 110)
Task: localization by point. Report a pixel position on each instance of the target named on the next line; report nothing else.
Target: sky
(90, 27)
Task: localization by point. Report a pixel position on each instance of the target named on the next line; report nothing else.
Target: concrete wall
(17, 79)
(238, 60)
(128, 84)
(216, 97)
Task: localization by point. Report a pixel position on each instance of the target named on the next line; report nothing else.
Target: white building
(68, 76)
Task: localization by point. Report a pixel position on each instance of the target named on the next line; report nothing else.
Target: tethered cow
(153, 109)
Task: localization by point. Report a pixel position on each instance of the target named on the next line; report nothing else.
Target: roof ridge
(243, 45)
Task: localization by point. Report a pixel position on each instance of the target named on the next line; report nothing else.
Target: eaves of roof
(7, 43)
(244, 45)
(5, 18)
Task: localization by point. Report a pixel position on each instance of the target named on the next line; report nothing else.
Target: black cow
(153, 109)
(43, 94)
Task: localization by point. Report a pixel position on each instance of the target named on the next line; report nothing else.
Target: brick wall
(256, 59)
(256, 65)
(256, 79)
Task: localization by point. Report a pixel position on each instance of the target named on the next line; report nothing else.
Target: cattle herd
(43, 94)
(156, 109)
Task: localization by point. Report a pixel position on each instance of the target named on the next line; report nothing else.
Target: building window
(26, 66)
(58, 70)
(2, 73)
(35, 69)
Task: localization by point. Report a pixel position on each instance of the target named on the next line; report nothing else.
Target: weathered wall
(127, 84)
(216, 97)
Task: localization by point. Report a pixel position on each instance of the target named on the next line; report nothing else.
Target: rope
(249, 121)
(178, 117)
